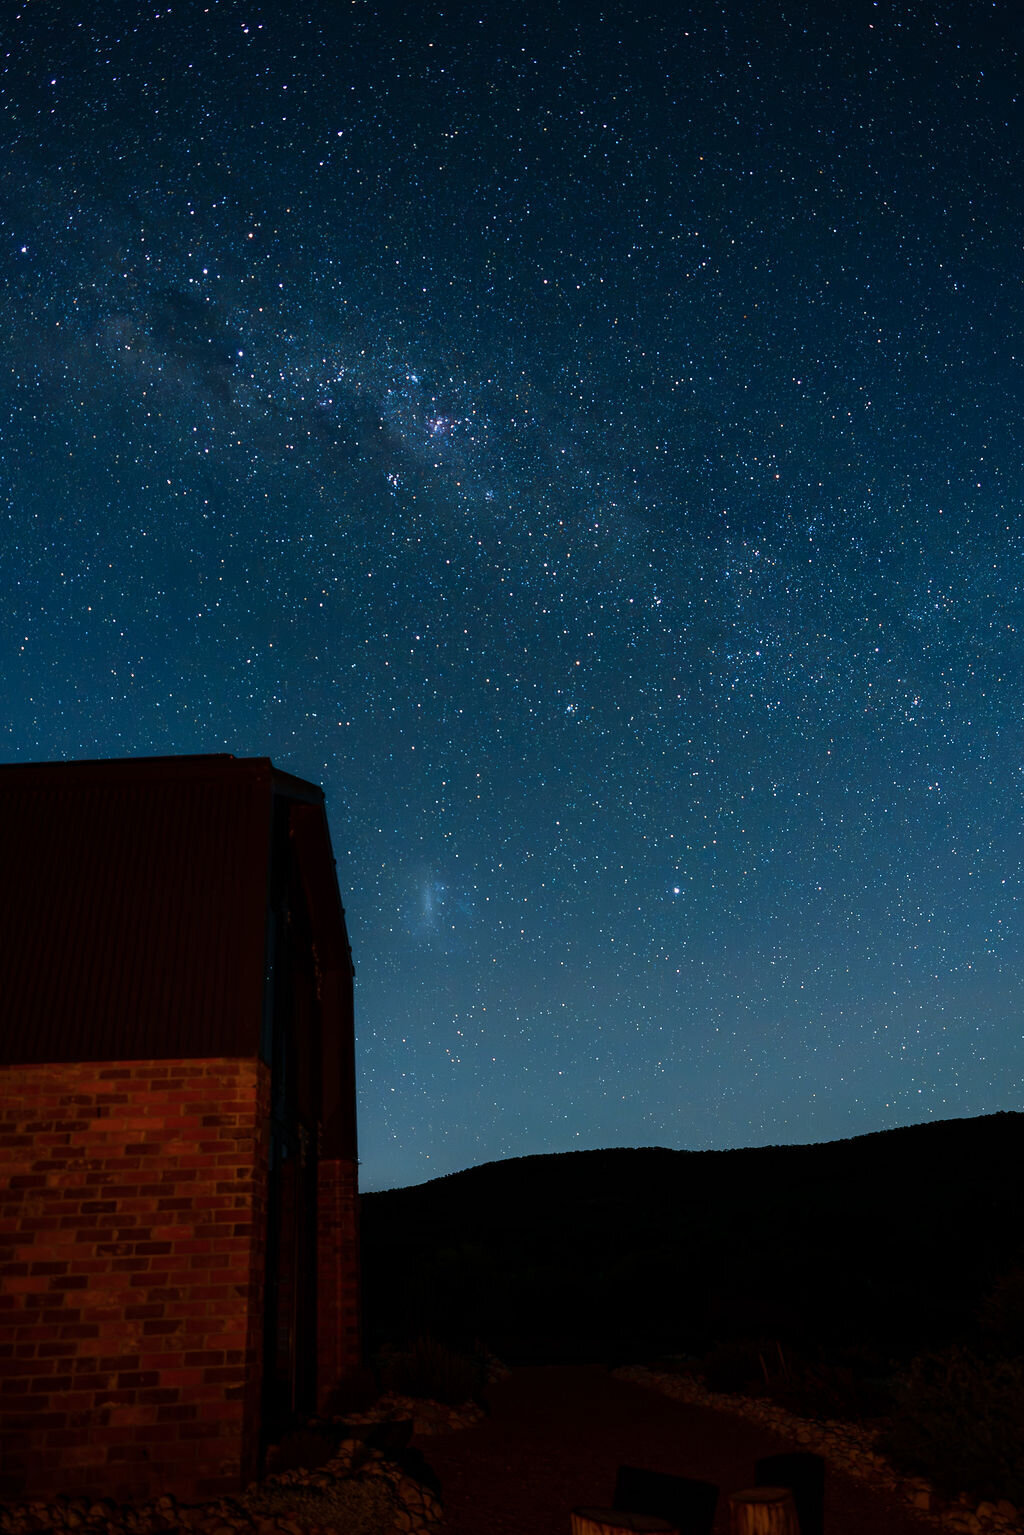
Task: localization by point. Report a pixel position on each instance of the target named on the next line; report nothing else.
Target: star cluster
(589, 445)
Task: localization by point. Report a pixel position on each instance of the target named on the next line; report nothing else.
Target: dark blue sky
(588, 442)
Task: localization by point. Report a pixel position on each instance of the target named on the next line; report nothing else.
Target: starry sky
(587, 441)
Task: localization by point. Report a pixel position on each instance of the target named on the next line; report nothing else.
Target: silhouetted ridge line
(896, 1235)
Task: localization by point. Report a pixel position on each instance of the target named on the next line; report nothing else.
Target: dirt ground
(556, 1435)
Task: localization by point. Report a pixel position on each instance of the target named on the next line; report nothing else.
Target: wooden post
(617, 1521)
(762, 1511)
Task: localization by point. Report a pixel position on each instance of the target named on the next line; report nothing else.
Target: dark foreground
(557, 1433)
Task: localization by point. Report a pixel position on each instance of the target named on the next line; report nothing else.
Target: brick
(226, 1412)
(221, 1373)
(168, 1158)
(122, 1452)
(129, 1414)
(27, 1395)
(181, 1376)
(111, 1311)
(160, 1396)
(84, 1455)
(62, 1438)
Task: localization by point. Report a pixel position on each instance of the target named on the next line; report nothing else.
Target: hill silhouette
(890, 1239)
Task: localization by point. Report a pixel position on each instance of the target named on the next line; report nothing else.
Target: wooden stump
(618, 1521)
(762, 1511)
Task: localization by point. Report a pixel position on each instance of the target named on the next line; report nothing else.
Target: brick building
(178, 1196)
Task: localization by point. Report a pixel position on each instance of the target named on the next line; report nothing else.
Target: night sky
(587, 441)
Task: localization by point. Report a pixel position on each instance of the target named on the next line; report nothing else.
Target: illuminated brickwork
(132, 1224)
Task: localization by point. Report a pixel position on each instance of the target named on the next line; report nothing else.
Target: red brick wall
(132, 1227)
(339, 1336)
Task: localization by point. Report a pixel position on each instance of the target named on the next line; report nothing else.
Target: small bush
(957, 1422)
(735, 1365)
(848, 1383)
(431, 1369)
(1000, 1319)
(828, 1389)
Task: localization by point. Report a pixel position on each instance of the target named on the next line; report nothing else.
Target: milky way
(589, 446)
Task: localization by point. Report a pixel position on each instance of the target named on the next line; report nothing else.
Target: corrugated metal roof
(133, 906)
